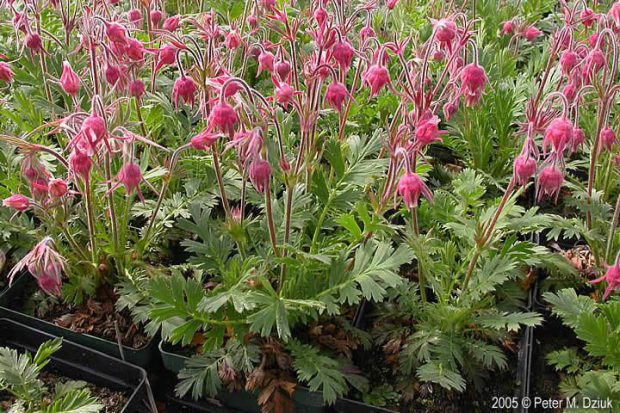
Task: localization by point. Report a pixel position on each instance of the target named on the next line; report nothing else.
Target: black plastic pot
(80, 363)
(10, 300)
(245, 402)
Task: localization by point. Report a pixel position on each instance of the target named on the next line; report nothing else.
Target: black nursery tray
(8, 303)
(245, 402)
(80, 363)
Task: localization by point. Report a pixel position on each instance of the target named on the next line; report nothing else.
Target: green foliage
(19, 376)
(592, 370)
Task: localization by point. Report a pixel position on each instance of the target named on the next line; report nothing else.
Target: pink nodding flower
(136, 88)
(184, 88)
(614, 13)
(252, 21)
(283, 69)
(58, 188)
(579, 138)
(224, 118)
(6, 74)
(559, 134)
(44, 264)
(39, 188)
(69, 81)
(135, 50)
(410, 187)
(376, 77)
(135, 16)
(260, 174)
(611, 277)
(265, 62)
(587, 17)
(17, 202)
(427, 131)
(595, 61)
(508, 27)
(390, 4)
(343, 53)
(335, 95)
(524, 168)
(532, 33)
(473, 79)
(450, 108)
(204, 140)
(284, 94)
(156, 16)
(94, 131)
(550, 183)
(80, 164)
(116, 33)
(570, 91)
(112, 74)
(568, 61)
(320, 15)
(165, 57)
(608, 139)
(130, 177)
(34, 42)
(171, 24)
(233, 40)
(445, 30)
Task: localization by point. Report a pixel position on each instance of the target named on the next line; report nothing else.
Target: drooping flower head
(376, 77)
(130, 176)
(156, 16)
(410, 188)
(34, 42)
(184, 88)
(524, 168)
(45, 265)
(335, 95)
(343, 53)
(6, 74)
(532, 33)
(69, 80)
(18, 202)
(58, 188)
(224, 118)
(445, 30)
(427, 131)
(473, 79)
(559, 134)
(171, 24)
(260, 174)
(568, 61)
(608, 139)
(611, 277)
(204, 140)
(80, 164)
(550, 183)
(136, 88)
(266, 61)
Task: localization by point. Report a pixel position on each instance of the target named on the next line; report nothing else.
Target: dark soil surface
(96, 316)
(114, 401)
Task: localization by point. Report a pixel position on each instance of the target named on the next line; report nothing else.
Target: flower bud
(6, 74)
(17, 202)
(171, 24)
(156, 16)
(550, 183)
(58, 188)
(336, 94)
(136, 88)
(376, 77)
(524, 168)
(260, 174)
(410, 188)
(69, 81)
(224, 118)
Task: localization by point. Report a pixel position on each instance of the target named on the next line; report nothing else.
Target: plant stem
(488, 233)
(91, 219)
(612, 230)
(593, 157)
(220, 182)
(272, 229)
